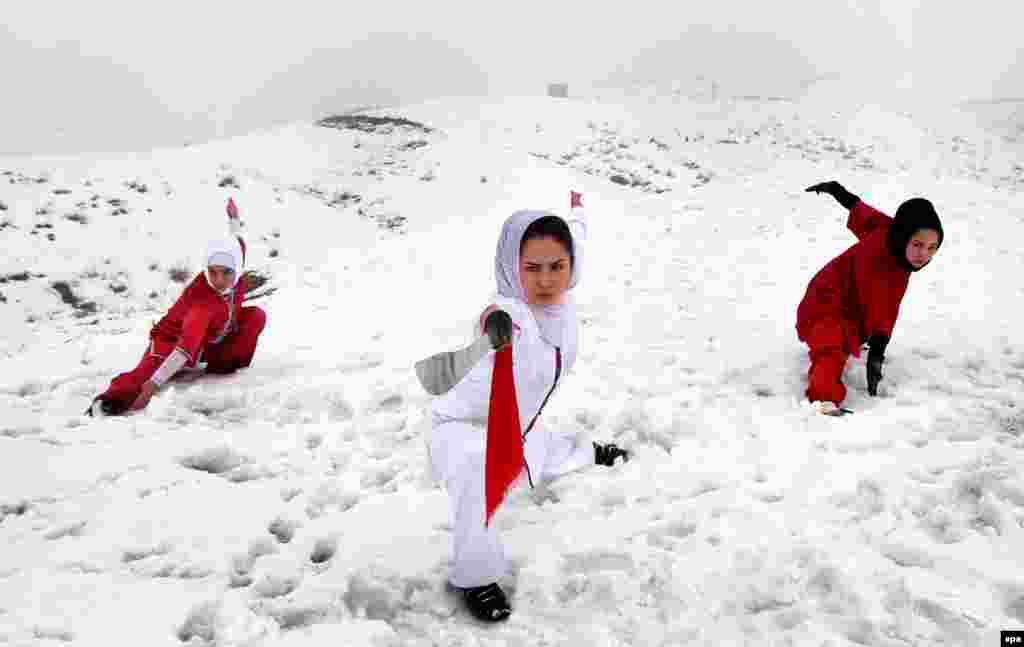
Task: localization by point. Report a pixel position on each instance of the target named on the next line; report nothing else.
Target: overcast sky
(109, 75)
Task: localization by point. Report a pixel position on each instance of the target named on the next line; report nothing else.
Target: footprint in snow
(670, 536)
(73, 529)
(323, 550)
(215, 460)
(283, 529)
(274, 585)
(605, 560)
(385, 401)
(240, 566)
(381, 595)
(53, 633)
(378, 477)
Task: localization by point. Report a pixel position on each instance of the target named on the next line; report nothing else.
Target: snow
(289, 504)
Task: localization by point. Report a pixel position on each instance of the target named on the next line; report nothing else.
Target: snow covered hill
(289, 504)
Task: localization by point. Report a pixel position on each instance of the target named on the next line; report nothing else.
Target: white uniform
(458, 437)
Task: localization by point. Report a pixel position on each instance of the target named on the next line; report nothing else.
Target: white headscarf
(228, 253)
(557, 322)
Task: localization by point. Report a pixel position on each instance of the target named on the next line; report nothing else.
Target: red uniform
(206, 327)
(856, 295)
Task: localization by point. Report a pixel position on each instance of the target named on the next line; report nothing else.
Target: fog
(99, 77)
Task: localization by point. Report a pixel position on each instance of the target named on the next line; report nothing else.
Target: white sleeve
(579, 228)
(469, 400)
(567, 452)
(174, 362)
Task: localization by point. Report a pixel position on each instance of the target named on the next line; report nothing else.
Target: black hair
(550, 227)
(911, 217)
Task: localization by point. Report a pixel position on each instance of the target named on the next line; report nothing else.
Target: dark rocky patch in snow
(67, 295)
(648, 165)
(389, 220)
(371, 124)
(20, 276)
(413, 145)
(179, 274)
(21, 178)
(13, 509)
(136, 185)
(343, 199)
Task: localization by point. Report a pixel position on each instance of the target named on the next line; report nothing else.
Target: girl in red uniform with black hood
(206, 325)
(855, 299)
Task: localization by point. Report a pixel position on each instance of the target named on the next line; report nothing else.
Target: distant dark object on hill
(558, 90)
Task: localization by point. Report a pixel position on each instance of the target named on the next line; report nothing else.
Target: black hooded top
(911, 216)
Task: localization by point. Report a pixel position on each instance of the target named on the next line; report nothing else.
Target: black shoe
(487, 603)
(105, 408)
(606, 454)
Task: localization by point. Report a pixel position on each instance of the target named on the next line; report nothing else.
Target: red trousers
(828, 340)
(234, 352)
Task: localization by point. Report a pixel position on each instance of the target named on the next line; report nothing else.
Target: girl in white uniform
(538, 260)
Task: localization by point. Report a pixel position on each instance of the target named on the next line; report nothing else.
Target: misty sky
(107, 75)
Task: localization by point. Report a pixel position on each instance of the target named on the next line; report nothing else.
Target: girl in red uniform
(207, 324)
(855, 299)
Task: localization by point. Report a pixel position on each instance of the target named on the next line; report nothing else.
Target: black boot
(487, 603)
(106, 407)
(606, 454)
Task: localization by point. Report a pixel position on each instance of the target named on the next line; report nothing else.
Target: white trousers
(457, 451)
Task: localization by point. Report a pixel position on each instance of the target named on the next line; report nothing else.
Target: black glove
(876, 356)
(498, 327)
(837, 191)
(606, 454)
